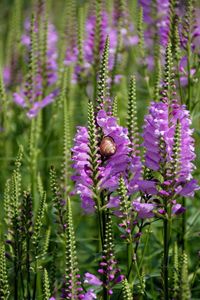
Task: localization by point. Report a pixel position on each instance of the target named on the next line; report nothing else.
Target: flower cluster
(110, 168)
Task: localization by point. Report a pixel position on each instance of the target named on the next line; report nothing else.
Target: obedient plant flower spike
(58, 202)
(40, 186)
(4, 285)
(140, 30)
(132, 115)
(37, 237)
(103, 77)
(97, 35)
(108, 269)
(176, 151)
(172, 7)
(94, 164)
(115, 107)
(46, 243)
(124, 201)
(7, 204)
(35, 130)
(66, 148)
(166, 91)
(175, 274)
(43, 47)
(16, 182)
(72, 289)
(93, 145)
(125, 209)
(173, 31)
(39, 222)
(184, 279)
(32, 65)
(27, 225)
(15, 218)
(158, 77)
(188, 24)
(127, 294)
(46, 286)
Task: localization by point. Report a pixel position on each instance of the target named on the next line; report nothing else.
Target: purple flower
(184, 72)
(89, 295)
(160, 123)
(144, 210)
(110, 167)
(178, 209)
(92, 279)
(148, 187)
(188, 188)
(36, 106)
(159, 137)
(116, 164)
(81, 166)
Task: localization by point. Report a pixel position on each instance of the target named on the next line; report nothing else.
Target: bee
(107, 146)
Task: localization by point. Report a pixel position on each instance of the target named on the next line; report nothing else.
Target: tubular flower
(110, 167)
(116, 164)
(82, 176)
(159, 142)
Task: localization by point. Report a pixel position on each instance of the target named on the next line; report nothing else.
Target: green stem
(100, 225)
(166, 258)
(166, 237)
(145, 248)
(130, 261)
